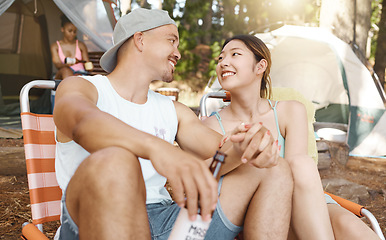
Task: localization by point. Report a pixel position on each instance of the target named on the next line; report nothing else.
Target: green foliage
(169, 5)
(230, 17)
(216, 50)
(189, 61)
(376, 8)
(190, 34)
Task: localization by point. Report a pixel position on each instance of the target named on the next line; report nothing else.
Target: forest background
(204, 24)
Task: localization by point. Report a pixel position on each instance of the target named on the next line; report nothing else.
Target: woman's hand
(256, 145)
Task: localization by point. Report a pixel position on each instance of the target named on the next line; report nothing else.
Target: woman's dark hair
(261, 51)
(64, 20)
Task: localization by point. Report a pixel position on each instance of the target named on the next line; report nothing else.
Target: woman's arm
(83, 49)
(55, 56)
(243, 142)
(293, 120)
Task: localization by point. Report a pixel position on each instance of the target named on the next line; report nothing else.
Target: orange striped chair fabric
(39, 146)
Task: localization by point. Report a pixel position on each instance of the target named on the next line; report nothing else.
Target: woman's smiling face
(236, 65)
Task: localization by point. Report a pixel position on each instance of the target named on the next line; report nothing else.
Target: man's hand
(191, 181)
(256, 145)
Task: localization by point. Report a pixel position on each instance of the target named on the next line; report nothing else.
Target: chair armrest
(31, 232)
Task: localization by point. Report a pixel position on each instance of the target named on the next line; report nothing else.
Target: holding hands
(256, 145)
(191, 179)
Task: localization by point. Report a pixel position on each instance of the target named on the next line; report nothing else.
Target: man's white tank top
(157, 117)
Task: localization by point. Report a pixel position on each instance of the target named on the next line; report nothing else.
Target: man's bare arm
(78, 118)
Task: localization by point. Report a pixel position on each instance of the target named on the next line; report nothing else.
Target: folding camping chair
(39, 147)
(281, 94)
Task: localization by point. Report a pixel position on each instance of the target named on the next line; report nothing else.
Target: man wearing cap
(115, 151)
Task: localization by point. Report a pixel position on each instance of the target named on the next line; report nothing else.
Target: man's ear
(261, 66)
(138, 40)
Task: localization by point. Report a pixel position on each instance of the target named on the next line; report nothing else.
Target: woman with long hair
(243, 69)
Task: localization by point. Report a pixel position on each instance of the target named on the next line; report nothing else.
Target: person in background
(69, 55)
(243, 69)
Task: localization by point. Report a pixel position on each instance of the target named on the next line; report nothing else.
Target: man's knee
(109, 169)
(107, 177)
(282, 173)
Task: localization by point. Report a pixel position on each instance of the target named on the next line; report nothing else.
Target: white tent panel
(319, 76)
(360, 81)
(375, 142)
(4, 5)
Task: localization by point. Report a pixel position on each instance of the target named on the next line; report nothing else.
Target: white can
(184, 229)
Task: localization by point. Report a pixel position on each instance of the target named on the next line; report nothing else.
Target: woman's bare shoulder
(82, 45)
(291, 111)
(208, 120)
(290, 105)
(212, 123)
(54, 45)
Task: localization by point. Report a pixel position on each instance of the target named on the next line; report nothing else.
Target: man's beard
(167, 77)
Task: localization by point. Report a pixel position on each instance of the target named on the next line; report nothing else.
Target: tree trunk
(125, 7)
(230, 20)
(207, 25)
(169, 6)
(380, 53)
(144, 4)
(348, 20)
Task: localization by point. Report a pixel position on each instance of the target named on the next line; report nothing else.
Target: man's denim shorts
(161, 220)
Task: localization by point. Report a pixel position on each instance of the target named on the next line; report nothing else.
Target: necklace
(235, 116)
(251, 114)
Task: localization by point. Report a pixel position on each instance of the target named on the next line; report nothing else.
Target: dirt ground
(15, 209)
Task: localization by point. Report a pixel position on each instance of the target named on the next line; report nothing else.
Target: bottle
(71, 61)
(184, 229)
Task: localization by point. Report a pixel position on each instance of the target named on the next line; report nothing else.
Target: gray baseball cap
(138, 20)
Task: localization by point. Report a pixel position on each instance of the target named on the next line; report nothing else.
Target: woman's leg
(348, 226)
(310, 219)
(64, 72)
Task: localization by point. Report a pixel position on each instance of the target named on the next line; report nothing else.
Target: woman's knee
(304, 170)
(300, 163)
(64, 72)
